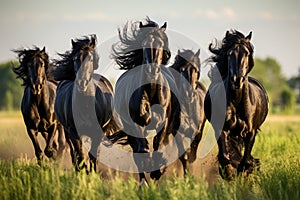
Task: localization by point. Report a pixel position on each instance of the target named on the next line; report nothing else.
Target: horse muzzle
(237, 83)
(37, 89)
(152, 71)
(81, 85)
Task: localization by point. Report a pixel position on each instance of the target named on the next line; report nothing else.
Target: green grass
(277, 145)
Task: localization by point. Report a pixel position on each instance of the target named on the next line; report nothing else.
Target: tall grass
(278, 178)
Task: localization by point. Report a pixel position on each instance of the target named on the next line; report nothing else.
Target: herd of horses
(64, 97)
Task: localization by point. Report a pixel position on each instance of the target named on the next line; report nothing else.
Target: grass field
(277, 145)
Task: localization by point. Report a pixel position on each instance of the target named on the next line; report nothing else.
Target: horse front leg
(62, 140)
(226, 168)
(75, 146)
(246, 163)
(37, 149)
(157, 157)
(51, 147)
(223, 147)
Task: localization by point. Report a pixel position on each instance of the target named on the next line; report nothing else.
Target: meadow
(277, 145)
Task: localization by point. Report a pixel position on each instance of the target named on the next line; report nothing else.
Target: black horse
(38, 101)
(241, 99)
(143, 92)
(84, 101)
(187, 64)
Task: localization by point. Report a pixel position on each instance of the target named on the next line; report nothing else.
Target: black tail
(119, 136)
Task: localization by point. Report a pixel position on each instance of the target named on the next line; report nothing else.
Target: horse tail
(118, 137)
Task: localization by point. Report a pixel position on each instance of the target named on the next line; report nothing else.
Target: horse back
(259, 100)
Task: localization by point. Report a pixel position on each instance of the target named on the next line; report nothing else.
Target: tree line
(283, 93)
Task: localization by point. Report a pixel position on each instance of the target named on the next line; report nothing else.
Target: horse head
(155, 48)
(33, 68)
(85, 61)
(239, 61)
(187, 63)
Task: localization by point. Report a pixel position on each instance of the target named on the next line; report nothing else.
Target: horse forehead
(36, 62)
(239, 49)
(153, 41)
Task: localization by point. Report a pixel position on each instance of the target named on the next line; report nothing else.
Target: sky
(191, 24)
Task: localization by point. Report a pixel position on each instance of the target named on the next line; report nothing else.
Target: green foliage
(277, 145)
(294, 83)
(10, 87)
(288, 100)
(281, 96)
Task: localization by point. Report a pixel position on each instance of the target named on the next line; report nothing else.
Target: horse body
(245, 107)
(142, 94)
(191, 109)
(38, 101)
(84, 101)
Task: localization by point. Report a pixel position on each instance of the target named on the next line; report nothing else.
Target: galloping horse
(143, 94)
(246, 105)
(84, 101)
(187, 64)
(38, 101)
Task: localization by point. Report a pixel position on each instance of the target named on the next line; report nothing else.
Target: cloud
(226, 13)
(229, 13)
(211, 14)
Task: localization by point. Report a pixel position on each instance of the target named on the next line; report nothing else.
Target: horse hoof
(155, 174)
(143, 183)
(227, 172)
(50, 153)
(107, 143)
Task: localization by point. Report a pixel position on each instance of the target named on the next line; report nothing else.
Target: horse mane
(25, 55)
(64, 67)
(184, 57)
(219, 50)
(128, 53)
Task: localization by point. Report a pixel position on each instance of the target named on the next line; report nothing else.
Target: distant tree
(11, 91)
(288, 100)
(294, 83)
(268, 72)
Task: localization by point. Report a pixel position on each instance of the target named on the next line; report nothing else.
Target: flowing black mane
(129, 53)
(186, 56)
(64, 68)
(220, 49)
(25, 56)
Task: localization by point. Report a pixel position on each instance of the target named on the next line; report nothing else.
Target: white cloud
(211, 14)
(228, 12)
(266, 15)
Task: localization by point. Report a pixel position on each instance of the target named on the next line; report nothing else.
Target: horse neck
(90, 91)
(237, 96)
(154, 88)
(43, 97)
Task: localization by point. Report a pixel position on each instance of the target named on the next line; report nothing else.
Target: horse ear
(197, 53)
(248, 38)
(73, 43)
(44, 49)
(178, 52)
(164, 26)
(227, 33)
(141, 25)
(93, 40)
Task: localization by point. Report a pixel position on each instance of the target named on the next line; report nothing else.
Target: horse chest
(235, 121)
